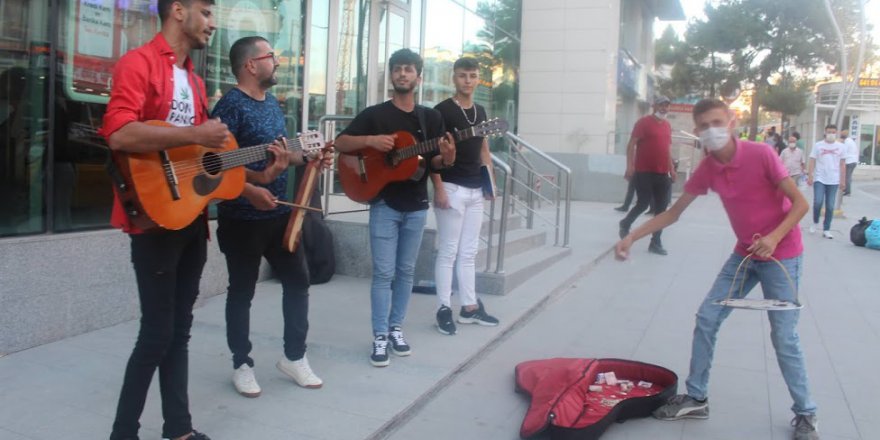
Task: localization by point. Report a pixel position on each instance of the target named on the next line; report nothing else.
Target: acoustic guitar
(170, 188)
(365, 172)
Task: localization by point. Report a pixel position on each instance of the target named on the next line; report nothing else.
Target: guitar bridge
(170, 175)
(362, 168)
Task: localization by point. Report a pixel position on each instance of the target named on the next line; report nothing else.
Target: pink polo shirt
(749, 189)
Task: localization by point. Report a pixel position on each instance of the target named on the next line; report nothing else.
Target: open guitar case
(563, 406)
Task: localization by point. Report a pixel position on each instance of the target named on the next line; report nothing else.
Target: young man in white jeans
(458, 204)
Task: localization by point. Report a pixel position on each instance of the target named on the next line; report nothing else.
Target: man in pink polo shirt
(764, 207)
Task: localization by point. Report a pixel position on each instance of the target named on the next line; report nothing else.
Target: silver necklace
(466, 118)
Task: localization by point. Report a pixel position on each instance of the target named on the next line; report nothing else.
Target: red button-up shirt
(142, 90)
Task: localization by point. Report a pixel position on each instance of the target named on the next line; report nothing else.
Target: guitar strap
(420, 113)
(420, 171)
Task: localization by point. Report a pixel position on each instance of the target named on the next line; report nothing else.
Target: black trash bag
(857, 232)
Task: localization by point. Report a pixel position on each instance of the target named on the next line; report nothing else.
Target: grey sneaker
(806, 427)
(682, 406)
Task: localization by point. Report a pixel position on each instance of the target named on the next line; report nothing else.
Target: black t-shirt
(386, 118)
(466, 170)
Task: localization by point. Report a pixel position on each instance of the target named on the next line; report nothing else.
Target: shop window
(24, 125)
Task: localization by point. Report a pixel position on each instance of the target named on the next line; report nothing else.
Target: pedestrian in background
(649, 166)
(827, 166)
(793, 158)
(852, 158)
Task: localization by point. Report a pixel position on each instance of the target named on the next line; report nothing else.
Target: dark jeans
(245, 243)
(631, 192)
(168, 266)
(850, 167)
(649, 187)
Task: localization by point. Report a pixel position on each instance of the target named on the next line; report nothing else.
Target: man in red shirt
(156, 82)
(649, 165)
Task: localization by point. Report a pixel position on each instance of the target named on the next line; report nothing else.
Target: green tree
(749, 44)
(788, 97)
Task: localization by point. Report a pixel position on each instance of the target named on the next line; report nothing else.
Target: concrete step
(517, 242)
(526, 253)
(520, 268)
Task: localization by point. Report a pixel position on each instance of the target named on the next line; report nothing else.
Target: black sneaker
(624, 231)
(398, 343)
(656, 248)
(622, 208)
(379, 358)
(478, 316)
(444, 321)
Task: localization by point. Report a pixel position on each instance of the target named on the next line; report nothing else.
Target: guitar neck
(432, 144)
(256, 153)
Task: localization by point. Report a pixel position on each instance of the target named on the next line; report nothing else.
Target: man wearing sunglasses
(252, 226)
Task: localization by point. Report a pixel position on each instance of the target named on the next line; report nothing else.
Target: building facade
(585, 78)
(861, 117)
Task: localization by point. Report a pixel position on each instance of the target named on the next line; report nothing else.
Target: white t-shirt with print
(828, 158)
(183, 109)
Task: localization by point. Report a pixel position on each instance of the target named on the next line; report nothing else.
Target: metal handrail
(328, 123)
(502, 227)
(560, 170)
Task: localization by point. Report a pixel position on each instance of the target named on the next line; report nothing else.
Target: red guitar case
(563, 405)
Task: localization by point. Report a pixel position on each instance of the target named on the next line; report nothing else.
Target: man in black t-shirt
(458, 204)
(397, 215)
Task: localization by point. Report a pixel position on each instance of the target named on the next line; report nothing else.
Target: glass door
(391, 21)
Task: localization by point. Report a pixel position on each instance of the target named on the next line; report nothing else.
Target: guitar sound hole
(212, 164)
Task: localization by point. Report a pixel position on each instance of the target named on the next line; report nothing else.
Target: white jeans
(458, 229)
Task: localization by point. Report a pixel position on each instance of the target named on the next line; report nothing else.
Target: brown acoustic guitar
(363, 173)
(170, 188)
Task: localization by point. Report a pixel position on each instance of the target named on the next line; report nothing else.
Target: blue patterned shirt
(253, 123)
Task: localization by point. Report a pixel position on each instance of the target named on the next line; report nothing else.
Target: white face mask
(830, 137)
(714, 138)
(792, 145)
(661, 115)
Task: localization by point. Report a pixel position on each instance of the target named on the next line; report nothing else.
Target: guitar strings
(198, 167)
(192, 167)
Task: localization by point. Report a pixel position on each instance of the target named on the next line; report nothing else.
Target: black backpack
(317, 241)
(857, 232)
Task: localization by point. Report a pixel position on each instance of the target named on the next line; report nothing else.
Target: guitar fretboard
(431, 144)
(246, 155)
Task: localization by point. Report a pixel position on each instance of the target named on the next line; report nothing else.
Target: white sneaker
(245, 382)
(813, 228)
(827, 234)
(300, 372)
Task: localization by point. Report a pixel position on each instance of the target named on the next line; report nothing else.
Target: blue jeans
(395, 238)
(783, 326)
(827, 194)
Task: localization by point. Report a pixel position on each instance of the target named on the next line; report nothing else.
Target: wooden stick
(294, 205)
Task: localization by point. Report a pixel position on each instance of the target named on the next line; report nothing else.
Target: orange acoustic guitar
(170, 188)
(365, 172)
